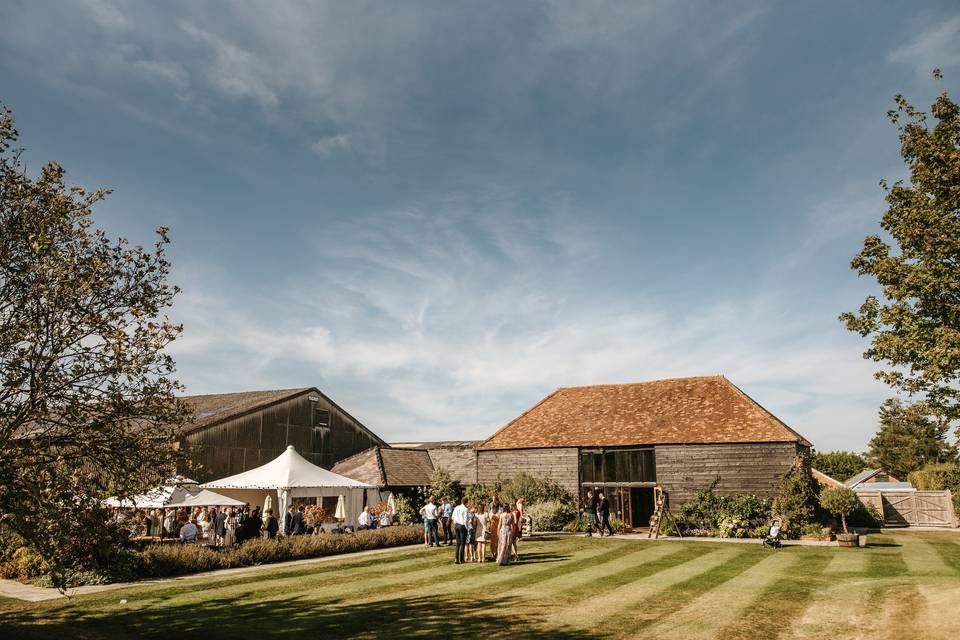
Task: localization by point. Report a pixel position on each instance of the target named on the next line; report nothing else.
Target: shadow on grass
(453, 616)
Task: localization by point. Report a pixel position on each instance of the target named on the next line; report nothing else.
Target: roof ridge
(629, 384)
(290, 390)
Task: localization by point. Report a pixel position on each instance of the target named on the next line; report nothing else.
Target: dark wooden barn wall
(254, 439)
(561, 465)
(460, 462)
(683, 470)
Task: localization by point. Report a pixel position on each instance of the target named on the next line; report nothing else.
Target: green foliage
(441, 484)
(87, 395)
(915, 330)
(532, 490)
(618, 525)
(909, 438)
(551, 515)
(937, 477)
(796, 501)
(710, 513)
(839, 465)
(406, 513)
(479, 494)
(579, 524)
(840, 501)
(865, 516)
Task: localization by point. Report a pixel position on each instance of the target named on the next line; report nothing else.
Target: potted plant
(841, 501)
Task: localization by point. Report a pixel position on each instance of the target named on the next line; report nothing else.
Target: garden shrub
(796, 501)
(579, 524)
(532, 490)
(549, 516)
(405, 513)
(937, 477)
(618, 526)
(711, 514)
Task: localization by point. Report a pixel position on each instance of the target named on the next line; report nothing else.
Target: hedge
(174, 559)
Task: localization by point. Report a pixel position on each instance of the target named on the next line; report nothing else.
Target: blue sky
(438, 212)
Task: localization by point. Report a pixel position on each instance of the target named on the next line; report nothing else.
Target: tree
(840, 501)
(86, 399)
(839, 465)
(916, 329)
(909, 438)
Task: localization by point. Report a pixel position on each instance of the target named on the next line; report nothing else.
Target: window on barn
(321, 417)
(617, 465)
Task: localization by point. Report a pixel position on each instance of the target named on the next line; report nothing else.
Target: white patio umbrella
(267, 503)
(391, 504)
(341, 512)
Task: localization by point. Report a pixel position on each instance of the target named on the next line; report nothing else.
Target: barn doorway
(641, 507)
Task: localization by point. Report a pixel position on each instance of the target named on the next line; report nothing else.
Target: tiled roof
(440, 444)
(363, 467)
(386, 467)
(209, 409)
(701, 410)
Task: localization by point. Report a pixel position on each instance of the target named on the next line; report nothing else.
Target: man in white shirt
(461, 516)
(430, 517)
(363, 521)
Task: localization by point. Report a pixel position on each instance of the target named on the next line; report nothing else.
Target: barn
(390, 470)
(234, 432)
(679, 434)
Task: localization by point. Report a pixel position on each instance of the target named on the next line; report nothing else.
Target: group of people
(368, 520)
(475, 530)
(597, 510)
(216, 526)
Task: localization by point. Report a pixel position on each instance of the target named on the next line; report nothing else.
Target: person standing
(273, 525)
(296, 522)
(515, 533)
(603, 513)
(430, 519)
(483, 519)
(505, 542)
(590, 509)
(494, 506)
(230, 529)
(220, 526)
(461, 518)
(446, 516)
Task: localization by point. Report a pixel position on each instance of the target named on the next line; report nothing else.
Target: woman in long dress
(505, 542)
(230, 537)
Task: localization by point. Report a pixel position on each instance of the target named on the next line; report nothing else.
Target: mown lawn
(907, 585)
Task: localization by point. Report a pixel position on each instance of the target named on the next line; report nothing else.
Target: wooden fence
(912, 508)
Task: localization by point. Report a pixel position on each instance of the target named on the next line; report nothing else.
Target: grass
(565, 587)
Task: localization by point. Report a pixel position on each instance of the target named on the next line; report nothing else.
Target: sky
(439, 212)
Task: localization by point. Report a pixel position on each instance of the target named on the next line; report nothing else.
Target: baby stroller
(773, 537)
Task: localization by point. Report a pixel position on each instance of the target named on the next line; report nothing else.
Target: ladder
(659, 498)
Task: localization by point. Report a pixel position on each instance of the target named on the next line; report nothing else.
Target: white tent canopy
(207, 498)
(175, 489)
(291, 475)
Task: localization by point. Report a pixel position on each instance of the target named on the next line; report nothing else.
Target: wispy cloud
(935, 46)
(328, 145)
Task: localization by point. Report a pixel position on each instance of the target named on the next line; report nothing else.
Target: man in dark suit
(220, 526)
(297, 524)
(603, 512)
(288, 520)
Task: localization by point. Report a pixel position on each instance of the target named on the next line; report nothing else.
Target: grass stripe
(774, 609)
(676, 568)
(724, 603)
(847, 562)
(838, 611)
(923, 558)
(949, 553)
(598, 577)
(886, 559)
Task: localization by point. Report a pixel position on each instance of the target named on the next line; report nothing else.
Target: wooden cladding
(319, 431)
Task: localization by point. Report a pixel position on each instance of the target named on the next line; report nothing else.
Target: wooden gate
(912, 508)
